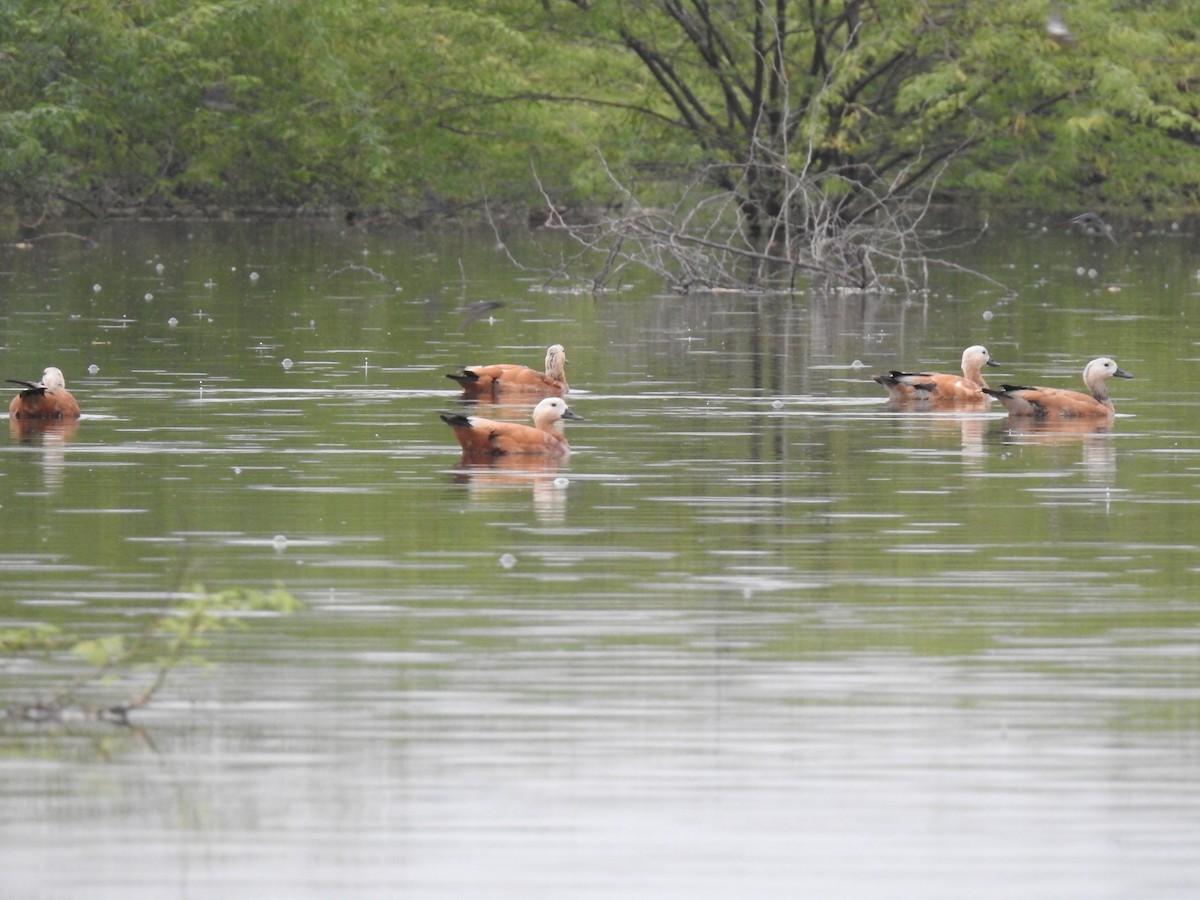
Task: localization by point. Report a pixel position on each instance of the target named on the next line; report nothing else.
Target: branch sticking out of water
(776, 224)
(358, 267)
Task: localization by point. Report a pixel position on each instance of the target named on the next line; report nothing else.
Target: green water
(757, 635)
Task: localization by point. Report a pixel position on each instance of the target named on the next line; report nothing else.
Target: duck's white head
(1101, 369)
(976, 357)
(549, 413)
(556, 362)
(53, 378)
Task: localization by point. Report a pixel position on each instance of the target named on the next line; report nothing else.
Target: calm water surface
(758, 637)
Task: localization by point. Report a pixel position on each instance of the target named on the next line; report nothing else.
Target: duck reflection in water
(968, 427)
(495, 477)
(52, 436)
(1093, 436)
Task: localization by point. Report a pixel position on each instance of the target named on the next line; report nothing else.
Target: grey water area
(757, 636)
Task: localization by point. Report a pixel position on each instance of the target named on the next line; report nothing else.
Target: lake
(758, 636)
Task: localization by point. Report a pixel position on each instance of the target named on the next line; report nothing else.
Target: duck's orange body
(508, 378)
(1058, 403)
(941, 387)
(45, 399)
(480, 437)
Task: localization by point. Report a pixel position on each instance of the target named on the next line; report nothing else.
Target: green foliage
(166, 642)
(24, 640)
(411, 106)
(286, 103)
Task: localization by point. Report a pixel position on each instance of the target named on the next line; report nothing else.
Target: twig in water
(358, 267)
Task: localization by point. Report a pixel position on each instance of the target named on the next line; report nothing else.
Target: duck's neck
(551, 426)
(975, 374)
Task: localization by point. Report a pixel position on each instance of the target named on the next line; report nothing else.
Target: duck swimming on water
(509, 378)
(45, 399)
(935, 387)
(486, 437)
(1043, 403)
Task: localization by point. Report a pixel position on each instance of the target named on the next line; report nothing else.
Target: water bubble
(1092, 273)
(96, 289)
(858, 364)
(93, 369)
(287, 363)
(160, 268)
(254, 276)
(237, 470)
(777, 404)
(508, 560)
(148, 296)
(1079, 270)
(172, 321)
(280, 542)
(988, 315)
(561, 481)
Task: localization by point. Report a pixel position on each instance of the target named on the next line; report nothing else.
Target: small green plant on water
(168, 640)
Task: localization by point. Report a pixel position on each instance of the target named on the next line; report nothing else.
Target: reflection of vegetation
(166, 642)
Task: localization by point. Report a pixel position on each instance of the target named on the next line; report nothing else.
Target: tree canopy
(413, 106)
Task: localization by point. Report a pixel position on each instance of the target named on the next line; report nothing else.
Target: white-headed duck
(45, 399)
(1042, 402)
(487, 437)
(504, 378)
(934, 387)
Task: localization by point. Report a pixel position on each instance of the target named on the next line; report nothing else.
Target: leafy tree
(872, 90)
(413, 104)
(1107, 114)
(288, 103)
(822, 132)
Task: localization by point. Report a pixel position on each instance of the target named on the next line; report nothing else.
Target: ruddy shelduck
(45, 399)
(1046, 403)
(486, 437)
(934, 387)
(508, 378)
